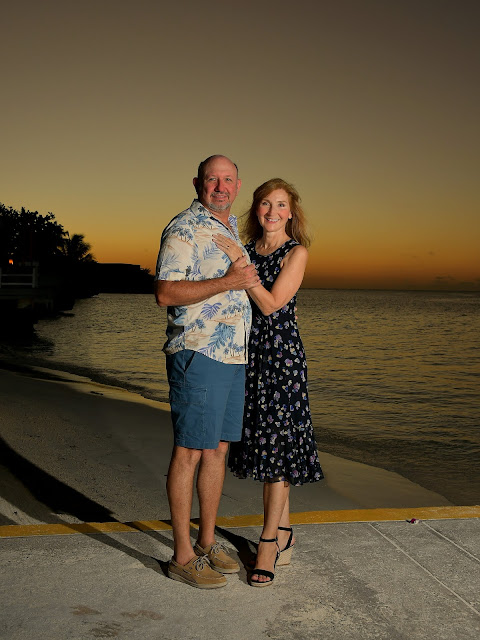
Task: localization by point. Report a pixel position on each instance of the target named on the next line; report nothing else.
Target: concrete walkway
(381, 578)
(76, 452)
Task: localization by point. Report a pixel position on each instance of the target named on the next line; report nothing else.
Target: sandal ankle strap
(290, 538)
(268, 539)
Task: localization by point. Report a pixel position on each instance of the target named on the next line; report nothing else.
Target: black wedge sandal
(264, 572)
(285, 556)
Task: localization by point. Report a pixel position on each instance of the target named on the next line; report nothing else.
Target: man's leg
(211, 474)
(226, 397)
(188, 375)
(180, 494)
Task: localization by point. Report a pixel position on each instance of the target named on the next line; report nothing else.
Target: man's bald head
(217, 183)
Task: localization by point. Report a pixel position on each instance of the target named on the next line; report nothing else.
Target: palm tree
(76, 249)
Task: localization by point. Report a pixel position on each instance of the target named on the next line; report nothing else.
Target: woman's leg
(283, 536)
(275, 497)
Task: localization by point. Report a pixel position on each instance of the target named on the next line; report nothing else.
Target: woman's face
(273, 211)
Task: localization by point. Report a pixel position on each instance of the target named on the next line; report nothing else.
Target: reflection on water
(393, 376)
(394, 382)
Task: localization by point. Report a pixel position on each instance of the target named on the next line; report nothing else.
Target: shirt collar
(198, 208)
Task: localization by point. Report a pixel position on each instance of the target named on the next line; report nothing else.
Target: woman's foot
(267, 556)
(286, 542)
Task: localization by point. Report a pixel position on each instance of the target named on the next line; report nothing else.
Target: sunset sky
(370, 107)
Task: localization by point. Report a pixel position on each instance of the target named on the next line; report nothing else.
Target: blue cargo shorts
(206, 399)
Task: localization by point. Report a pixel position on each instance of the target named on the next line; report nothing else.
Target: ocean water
(394, 377)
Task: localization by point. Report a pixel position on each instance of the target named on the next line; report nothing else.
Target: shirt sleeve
(175, 257)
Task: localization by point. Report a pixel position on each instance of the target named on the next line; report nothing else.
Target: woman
(278, 446)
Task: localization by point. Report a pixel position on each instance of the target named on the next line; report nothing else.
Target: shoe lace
(217, 547)
(200, 563)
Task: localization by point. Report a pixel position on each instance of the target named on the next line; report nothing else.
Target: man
(208, 326)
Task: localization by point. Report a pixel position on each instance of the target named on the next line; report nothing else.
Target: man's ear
(239, 184)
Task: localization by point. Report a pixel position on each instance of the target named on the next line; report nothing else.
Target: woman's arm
(285, 286)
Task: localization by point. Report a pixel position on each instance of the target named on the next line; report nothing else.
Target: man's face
(220, 185)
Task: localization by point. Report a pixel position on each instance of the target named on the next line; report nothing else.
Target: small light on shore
(10, 261)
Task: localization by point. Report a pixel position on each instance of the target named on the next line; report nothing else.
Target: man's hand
(241, 275)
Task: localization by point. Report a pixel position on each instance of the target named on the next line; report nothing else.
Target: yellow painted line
(359, 515)
(306, 517)
(386, 515)
(60, 529)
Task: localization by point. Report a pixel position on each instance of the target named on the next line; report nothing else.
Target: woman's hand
(228, 246)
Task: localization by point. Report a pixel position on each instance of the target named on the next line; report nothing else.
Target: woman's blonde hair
(296, 228)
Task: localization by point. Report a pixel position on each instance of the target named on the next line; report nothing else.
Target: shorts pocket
(189, 358)
(187, 405)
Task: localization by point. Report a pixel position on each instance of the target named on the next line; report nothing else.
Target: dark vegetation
(52, 268)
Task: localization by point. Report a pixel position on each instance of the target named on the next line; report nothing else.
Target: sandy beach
(77, 451)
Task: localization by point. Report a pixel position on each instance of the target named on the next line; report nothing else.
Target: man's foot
(218, 558)
(196, 573)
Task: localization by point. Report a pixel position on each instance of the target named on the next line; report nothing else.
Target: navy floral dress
(277, 440)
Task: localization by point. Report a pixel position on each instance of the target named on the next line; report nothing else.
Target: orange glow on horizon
(336, 271)
(378, 128)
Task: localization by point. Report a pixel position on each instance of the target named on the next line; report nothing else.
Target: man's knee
(223, 447)
(185, 456)
(219, 453)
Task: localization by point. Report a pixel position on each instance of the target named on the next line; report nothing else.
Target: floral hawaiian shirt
(219, 326)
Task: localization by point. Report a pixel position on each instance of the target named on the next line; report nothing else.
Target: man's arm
(240, 275)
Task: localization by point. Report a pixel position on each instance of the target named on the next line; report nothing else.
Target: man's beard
(219, 208)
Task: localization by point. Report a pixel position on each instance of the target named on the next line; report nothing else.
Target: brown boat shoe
(218, 558)
(197, 573)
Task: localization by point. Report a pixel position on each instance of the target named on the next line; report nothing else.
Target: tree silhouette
(66, 265)
(27, 236)
(76, 250)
